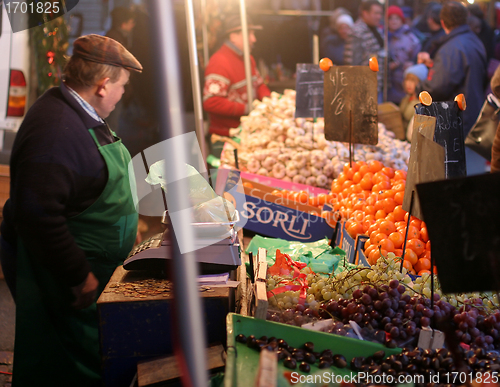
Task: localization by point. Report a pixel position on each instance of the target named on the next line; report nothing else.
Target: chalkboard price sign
(462, 221)
(426, 161)
(351, 91)
(449, 133)
(309, 88)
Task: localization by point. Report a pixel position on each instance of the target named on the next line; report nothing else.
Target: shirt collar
(234, 48)
(89, 109)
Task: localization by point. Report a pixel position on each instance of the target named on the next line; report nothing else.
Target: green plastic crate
(242, 362)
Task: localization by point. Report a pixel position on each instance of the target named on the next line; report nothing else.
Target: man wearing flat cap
(70, 220)
(225, 96)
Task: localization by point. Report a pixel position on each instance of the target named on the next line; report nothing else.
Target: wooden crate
(4, 184)
(139, 329)
(390, 115)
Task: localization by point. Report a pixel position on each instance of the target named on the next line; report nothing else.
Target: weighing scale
(218, 251)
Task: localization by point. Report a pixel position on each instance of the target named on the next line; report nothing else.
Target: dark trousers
(8, 262)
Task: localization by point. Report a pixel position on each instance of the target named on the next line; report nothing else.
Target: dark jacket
(56, 172)
(459, 67)
(332, 46)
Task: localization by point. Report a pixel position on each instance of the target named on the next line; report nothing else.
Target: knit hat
(395, 10)
(344, 19)
(420, 70)
(233, 24)
(104, 50)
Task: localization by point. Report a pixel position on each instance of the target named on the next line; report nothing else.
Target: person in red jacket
(225, 92)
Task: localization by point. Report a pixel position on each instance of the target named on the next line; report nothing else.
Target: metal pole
(195, 77)
(386, 49)
(315, 49)
(204, 32)
(246, 53)
(189, 317)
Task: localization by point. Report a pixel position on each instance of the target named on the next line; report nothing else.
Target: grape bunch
(429, 365)
(477, 330)
(304, 355)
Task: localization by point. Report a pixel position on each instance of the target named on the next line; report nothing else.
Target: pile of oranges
(370, 196)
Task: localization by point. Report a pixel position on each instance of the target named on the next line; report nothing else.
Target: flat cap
(104, 50)
(233, 24)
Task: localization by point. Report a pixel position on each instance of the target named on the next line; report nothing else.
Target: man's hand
(425, 58)
(85, 293)
(234, 132)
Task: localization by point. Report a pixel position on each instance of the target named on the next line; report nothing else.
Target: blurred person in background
(404, 47)
(366, 40)
(122, 24)
(225, 97)
(436, 32)
(333, 38)
(413, 78)
(484, 31)
(459, 65)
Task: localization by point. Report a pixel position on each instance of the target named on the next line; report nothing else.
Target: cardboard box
(274, 216)
(390, 115)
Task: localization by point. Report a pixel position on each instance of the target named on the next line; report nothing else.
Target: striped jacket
(361, 45)
(225, 92)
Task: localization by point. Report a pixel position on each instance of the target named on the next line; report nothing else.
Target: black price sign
(350, 105)
(309, 88)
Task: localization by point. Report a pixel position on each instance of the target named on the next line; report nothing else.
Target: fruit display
(275, 144)
(436, 366)
(388, 302)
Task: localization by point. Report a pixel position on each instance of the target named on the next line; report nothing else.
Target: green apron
(56, 345)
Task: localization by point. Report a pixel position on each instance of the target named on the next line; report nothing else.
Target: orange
(363, 169)
(425, 264)
(356, 178)
(369, 210)
(367, 244)
(413, 232)
(411, 257)
(426, 254)
(375, 165)
(369, 249)
(428, 245)
(398, 252)
(277, 192)
(461, 101)
(377, 237)
(400, 175)
(373, 63)
(388, 171)
(387, 227)
(422, 272)
(398, 186)
(247, 184)
(388, 205)
(424, 234)
(399, 213)
(425, 98)
(397, 239)
(390, 217)
(321, 198)
(366, 183)
(386, 244)
(415, 222)
(379, 176)
(407, 265)
(416, 245)
(380, 214)
(354, 229)
(372, 229)
(398, 197)
(375, 255)
(325, 64)
(303, 197)
(336, 187)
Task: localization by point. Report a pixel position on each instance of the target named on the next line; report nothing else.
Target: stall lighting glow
(471, 1)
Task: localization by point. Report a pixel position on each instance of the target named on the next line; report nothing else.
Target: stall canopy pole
(195, 77)
(315, 49)
(204, 32)
(246, 53)
(189, 317)
(385, 65)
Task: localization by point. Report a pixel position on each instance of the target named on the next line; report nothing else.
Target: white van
(14, 77)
